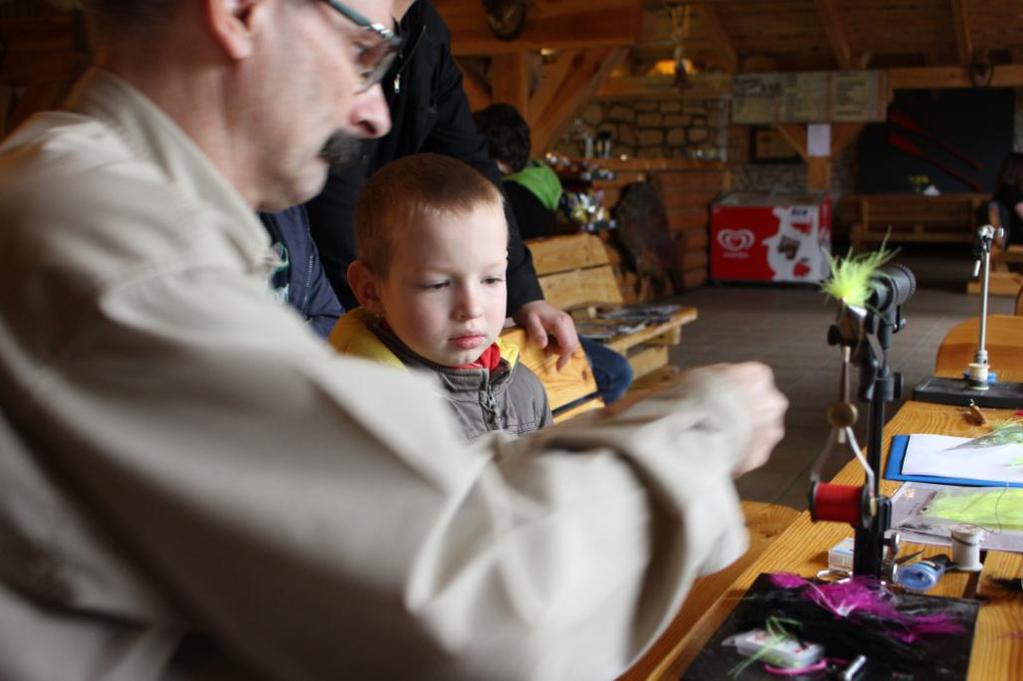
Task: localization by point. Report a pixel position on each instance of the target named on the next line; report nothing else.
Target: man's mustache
(341, 148)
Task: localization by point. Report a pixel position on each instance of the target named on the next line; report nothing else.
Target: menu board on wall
(804, 97)
(858, 96)
(808, 97)
(754, 97)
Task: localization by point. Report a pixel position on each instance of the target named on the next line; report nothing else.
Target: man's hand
(541, 320)
(766, 406)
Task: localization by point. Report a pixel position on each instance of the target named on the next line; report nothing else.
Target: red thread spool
(837, 503)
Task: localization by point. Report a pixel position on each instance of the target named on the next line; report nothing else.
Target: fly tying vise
(871, 295)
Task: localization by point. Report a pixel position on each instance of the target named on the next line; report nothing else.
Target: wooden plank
(716, 33)
(621, 344)
(692, 259)
(694, 238)
(964, 41)
(686, 220)
(950, 77)
(581, 287)
(574, 94)
(701, 86)
(655, 380)
(818, 173)
(842, 134)
(689, 200)
(795, 133)
(550, 24)
(694, 278)
(648, 359)
(694, 180)
(1001, 657)
(1004, 345)
(569, 252)
(573, 382)
(509, 80)
(551, 78)
(572, 412)
(477, 89)
(833, 26)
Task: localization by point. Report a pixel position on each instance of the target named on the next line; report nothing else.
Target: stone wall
(693, 129)
(783, 178)
(652, 129)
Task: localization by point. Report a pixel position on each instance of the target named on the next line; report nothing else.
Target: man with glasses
(192, 486)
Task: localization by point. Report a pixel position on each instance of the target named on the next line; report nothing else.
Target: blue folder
(897, 454)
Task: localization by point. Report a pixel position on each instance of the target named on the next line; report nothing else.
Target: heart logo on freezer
(736, 239)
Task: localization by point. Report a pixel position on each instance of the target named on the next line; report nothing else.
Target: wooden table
(802, 548)
(1004, 344)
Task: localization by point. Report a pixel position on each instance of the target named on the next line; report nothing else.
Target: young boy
(430, 279)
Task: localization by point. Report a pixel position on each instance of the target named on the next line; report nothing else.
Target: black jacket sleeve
(454, 133)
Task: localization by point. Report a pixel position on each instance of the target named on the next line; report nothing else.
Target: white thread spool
(978, 376)
(966, 547)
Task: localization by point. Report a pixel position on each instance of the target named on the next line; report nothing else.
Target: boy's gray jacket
(193, 486)
(511, 398)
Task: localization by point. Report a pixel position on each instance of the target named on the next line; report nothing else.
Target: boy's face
(445, 294)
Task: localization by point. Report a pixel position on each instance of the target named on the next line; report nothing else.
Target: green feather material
(850, 276)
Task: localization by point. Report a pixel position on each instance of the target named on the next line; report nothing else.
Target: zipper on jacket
(490, 404)
(405, 57)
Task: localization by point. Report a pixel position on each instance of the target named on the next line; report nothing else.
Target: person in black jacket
(429, 113)
(533, 192)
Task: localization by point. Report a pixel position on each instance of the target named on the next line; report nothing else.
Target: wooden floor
(787, 327)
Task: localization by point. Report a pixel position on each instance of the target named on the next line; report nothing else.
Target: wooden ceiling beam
(701, 86)
(716, 32)
(509, 80)
(795, 134)
(575, 91)
(950, 77)
(964, 41)
(836, 34)
(842, 134)
(550, 24)
(551, 80)
(476, 87)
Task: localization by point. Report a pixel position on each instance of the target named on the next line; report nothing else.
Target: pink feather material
(859, 597)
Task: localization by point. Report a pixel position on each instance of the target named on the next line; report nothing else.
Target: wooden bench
(576, 275)
(570, 391)
(948, 218)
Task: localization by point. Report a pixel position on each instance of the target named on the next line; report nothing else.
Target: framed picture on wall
(767, 145)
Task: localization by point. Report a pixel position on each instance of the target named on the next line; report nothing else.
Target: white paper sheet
(934, 455)
(818, 139)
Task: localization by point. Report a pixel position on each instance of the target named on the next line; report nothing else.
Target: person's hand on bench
(541, 320)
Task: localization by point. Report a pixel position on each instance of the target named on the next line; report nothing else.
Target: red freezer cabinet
(763, 237)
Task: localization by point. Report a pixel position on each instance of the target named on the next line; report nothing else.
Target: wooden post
(509, 80)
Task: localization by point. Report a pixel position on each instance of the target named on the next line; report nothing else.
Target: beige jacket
(193, 486)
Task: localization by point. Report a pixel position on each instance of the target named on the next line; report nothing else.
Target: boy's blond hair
(404, 191)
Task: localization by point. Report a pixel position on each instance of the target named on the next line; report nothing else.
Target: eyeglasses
(380, 48)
